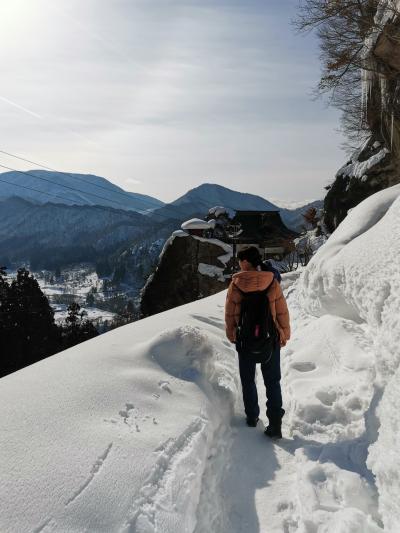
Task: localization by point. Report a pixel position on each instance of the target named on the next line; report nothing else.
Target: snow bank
(343, 372)
(116, 434)
(355, 274)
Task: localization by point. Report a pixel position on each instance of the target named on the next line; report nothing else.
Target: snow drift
(114, 435)
(353, 285)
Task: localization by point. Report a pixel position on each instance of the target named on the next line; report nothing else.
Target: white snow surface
(142, 430)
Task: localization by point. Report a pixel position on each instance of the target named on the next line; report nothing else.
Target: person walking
(252, 280)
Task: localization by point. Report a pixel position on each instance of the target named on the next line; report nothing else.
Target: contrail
(18, 106)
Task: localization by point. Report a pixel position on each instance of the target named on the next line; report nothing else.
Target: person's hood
(252, 280)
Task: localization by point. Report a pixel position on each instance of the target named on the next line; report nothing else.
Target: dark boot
(274, 428)
(252, 422)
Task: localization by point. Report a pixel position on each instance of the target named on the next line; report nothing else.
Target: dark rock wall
(177, 280)
(349, 190)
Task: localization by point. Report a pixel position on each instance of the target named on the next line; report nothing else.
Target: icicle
(366, 85)
(391, 132)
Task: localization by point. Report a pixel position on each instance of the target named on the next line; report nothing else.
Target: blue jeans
(271, 372)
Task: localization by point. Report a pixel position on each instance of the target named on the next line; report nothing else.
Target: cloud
(168, 91)
(132, 181)
(20, 107)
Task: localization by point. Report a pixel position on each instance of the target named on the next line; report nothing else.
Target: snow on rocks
(358, 169)
(212, 271)
(218, 211)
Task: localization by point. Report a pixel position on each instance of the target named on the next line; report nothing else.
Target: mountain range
(49, 218)
(43, 186)
(198, 200)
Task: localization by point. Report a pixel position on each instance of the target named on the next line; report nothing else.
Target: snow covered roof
(218, 211)
(212, 223)
(195, 223)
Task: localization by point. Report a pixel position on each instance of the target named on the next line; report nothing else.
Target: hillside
(142, 429)
(28, 229)
(72, 189)
(199, 200)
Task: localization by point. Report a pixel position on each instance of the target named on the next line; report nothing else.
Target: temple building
(263, 229)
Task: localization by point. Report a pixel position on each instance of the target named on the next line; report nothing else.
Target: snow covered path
(315, 478)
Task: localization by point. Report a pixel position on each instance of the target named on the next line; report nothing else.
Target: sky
(159, 96)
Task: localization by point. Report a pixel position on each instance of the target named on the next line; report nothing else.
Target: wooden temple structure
(263, 229)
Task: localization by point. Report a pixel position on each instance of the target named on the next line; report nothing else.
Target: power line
(31, 188)
(165, 207)
(112, 210)
(122, 193)
(61, 185)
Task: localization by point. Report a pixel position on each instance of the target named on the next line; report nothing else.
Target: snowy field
(77, 281)
(142, 429)
(92, 313)
(75, 284)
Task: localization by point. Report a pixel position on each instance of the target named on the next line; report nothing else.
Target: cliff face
(376, 165)
(189, 268)
(370, 169)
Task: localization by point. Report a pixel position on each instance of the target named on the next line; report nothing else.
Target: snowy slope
(142, 429)
(115, 434)
(72, 189)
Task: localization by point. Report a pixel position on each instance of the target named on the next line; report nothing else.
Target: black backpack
(256, 334)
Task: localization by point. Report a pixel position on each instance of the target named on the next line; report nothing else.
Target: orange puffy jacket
(254, 280)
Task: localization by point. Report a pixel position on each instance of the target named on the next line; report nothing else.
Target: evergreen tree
(77, 328)
(6, 324)
(90, 299)
(29, 323)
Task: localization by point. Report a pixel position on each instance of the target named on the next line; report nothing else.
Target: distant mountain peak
(43, 186)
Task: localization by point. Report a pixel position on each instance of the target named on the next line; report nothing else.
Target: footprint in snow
(164, 385)
(304, 366)
(125, 413)
(326, 397)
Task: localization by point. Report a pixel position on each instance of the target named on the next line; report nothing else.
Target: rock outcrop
(370, 169)
(189, 268)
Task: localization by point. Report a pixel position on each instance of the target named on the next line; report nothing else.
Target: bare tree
(342, 27)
